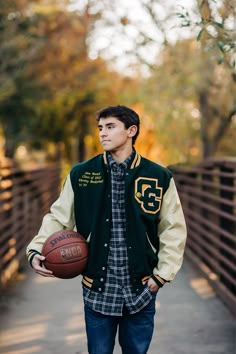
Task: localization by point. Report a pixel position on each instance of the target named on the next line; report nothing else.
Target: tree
(63, 66)
(54, 83)
(213, 24)
(217, 93)
(18, 94)
(169, 95)
(16, 50)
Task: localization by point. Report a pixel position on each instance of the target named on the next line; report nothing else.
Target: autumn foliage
(51, 86)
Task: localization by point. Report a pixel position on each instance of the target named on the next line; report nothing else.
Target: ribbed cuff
(32, 256)
(157, 281)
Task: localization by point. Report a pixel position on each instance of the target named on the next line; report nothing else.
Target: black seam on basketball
(70, 261)
(55, 248)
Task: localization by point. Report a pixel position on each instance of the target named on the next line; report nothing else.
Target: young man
(128, 209)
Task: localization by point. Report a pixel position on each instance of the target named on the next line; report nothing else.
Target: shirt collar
(123, 165)
(133, 163)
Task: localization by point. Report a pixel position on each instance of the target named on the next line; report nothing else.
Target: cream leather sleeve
(61, 216)
(172, 235)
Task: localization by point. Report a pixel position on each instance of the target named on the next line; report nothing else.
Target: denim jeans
(135, 331)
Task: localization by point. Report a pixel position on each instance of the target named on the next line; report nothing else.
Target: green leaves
(215, 29)
(200, 34)
(185, 16)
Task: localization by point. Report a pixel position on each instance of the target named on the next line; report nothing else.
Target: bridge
(195, 313)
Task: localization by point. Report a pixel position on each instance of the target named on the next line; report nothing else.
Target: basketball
(66, 254)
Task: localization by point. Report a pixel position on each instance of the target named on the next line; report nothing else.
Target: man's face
(113, 134)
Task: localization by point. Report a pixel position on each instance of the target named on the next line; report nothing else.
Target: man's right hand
(39, 269)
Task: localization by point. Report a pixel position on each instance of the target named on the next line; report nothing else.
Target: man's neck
(121, 155)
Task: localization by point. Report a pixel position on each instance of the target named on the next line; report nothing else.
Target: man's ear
(132, 130)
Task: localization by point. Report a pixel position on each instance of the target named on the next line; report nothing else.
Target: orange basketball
(66, 254)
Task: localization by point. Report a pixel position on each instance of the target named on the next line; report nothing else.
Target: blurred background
(62, 60)
(172, 61)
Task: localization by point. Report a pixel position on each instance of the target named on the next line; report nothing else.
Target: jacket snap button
(105, 244)
(101, 279)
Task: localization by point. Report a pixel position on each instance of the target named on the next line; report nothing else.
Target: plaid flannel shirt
(118, 291)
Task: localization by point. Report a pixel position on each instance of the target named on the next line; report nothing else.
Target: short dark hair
(125, 114)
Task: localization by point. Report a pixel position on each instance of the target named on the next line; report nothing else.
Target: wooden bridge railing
(25, 196)
(208, 195)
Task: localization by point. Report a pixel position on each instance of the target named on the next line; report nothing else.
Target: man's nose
(103, 132)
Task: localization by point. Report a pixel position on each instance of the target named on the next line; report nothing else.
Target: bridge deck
(43, 315)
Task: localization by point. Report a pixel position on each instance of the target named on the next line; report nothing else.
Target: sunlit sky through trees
(117, 35)
(173, 61)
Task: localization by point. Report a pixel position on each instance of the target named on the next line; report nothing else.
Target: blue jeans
(135, 331)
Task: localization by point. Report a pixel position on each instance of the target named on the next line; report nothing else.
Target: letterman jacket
(155, 229)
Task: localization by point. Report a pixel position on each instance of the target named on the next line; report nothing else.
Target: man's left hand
(152, 285)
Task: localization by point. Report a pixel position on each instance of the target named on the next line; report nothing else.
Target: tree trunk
(203, 106)
(211, 141)
(9, 147)
(83, 129)
(81, 149)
